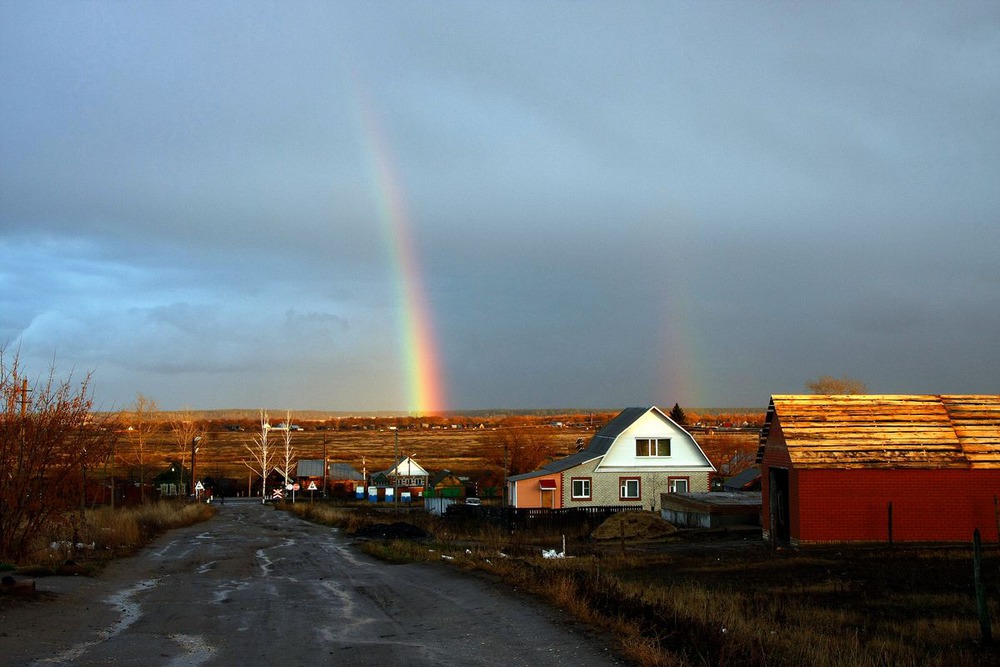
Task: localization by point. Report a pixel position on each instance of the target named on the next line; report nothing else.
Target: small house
(638, 455)
(405, 476)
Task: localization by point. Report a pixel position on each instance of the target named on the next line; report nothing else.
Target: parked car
(473, 501)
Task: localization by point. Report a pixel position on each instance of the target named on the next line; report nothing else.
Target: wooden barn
(866, 468)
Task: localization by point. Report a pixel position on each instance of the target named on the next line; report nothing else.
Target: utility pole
(395, 477)
(506, 474)
(325, 464)
(194, 477)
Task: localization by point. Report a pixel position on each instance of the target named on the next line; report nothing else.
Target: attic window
(652, 446)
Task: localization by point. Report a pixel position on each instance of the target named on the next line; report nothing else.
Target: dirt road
(255, 586)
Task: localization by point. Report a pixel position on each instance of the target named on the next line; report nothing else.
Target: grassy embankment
(700, 605)
(101, 535)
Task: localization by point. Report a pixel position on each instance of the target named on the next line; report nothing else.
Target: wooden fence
(540, 517)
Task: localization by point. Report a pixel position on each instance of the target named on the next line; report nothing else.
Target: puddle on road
(222, 593)
(197, 652)
(266, 564)
(130, 613)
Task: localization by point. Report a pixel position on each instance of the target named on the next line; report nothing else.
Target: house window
(678, 485)
(652, 446)
(629, 488)
(581, 488)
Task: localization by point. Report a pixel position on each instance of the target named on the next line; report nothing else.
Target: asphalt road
(255, 586)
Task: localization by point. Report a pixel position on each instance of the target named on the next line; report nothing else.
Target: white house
(640, 454)
(405, 473)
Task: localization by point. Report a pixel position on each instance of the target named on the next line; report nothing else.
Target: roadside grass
(702, 606)
(87, 542)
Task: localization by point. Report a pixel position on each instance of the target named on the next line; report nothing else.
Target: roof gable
(889, 431)
(653, 423)
(406, 467)
(622, 429)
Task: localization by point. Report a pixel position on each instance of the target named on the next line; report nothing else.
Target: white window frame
(650, 447)
(673, 481)
(586, 488)
(623, 488)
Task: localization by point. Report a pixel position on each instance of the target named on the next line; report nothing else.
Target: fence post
(984, 612)
(996, 515)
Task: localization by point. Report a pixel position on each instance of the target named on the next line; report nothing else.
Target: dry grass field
(464, 450)
(221, 452)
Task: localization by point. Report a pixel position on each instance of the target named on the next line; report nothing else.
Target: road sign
(278, 493)
(199, 487)
(295, 487)
(288, 487)
(312, 486)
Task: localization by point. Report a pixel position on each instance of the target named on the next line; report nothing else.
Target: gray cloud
(608, 204)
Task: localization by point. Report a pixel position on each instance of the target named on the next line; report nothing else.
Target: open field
(220, 453)
(464, 451)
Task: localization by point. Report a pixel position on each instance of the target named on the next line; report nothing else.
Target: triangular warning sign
(312, 486)
(199, 487)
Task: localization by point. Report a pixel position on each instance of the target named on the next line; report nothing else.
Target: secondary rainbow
(418, 349)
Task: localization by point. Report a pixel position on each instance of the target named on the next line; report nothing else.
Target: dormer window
(652, 446)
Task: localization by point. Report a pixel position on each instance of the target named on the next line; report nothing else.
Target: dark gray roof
(309, 468)
(597, 447)
(742, 480)
(344, 472)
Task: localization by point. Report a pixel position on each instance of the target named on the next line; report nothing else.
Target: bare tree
(185, 431)
(48, 439)
(142, 424)
(829, 385)
(261, 453)
(517, 450)
(288, 451)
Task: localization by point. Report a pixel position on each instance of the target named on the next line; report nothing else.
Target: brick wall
(927, 505)
(606, 486)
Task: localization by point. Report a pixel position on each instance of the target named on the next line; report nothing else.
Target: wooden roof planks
(887, 431)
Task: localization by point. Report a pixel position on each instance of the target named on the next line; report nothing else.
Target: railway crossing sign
(278, 493)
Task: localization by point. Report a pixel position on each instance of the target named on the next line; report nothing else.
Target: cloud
(614, 204)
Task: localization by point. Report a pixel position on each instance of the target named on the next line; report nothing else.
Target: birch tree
(288, 452)
(261, 453)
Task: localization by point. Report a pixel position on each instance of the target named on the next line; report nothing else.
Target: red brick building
(865, 468)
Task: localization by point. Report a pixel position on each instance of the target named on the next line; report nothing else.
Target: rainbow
(679, 377)
(418, 350)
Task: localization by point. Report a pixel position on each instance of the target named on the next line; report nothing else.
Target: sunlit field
(467, 446)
